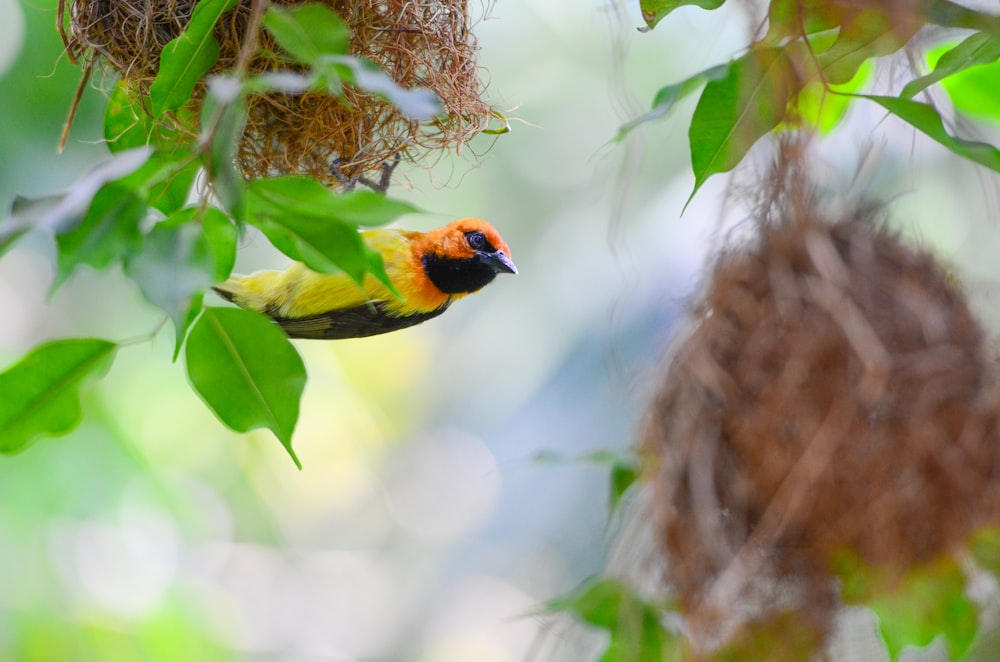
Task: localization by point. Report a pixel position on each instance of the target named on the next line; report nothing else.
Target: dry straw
(834, 394)
(419, 44)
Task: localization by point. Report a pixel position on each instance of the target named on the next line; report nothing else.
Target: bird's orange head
(463, 256)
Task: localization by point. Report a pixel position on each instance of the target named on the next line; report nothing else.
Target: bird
(429, 271)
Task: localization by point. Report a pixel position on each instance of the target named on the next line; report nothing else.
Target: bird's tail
(228, 290)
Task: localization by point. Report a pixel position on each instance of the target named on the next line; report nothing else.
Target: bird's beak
(499, 262)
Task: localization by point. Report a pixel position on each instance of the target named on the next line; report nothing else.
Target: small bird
(429, 270)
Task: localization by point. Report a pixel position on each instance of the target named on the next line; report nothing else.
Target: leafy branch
(145, 210)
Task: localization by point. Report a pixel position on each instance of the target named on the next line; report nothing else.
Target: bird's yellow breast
(300, 292)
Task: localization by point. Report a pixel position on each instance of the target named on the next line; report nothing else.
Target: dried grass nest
(428, 44)
(833, 393)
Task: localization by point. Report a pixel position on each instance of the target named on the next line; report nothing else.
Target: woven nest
(834, 393)
(419, 44)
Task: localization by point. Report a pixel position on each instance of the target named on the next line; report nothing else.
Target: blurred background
(440, 504)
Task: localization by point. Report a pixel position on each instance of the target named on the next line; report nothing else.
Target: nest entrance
(418, 44)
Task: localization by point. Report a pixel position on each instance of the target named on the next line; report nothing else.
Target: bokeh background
(440, 504)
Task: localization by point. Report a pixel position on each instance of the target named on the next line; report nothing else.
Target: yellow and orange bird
(429, 270)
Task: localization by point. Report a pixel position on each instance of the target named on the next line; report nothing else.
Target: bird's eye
(477, 240)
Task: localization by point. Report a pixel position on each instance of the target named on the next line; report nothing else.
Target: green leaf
(181, 332)
(868, 33)
(634, 626)
(40, 393)
(223, 118)
(186, 59)
(654, 11)
(797, 18)
(247, 372)
(108, 231)
(311, 224)
(926, 119)
(222, 236)
(737, 110)
(931, 602)
(419, 104)
(126, 123)
(307, 32)
(816, 106)
(667, 97)
(176, 263)
(977, 49)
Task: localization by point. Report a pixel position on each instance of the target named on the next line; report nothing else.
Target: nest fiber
(418, 44)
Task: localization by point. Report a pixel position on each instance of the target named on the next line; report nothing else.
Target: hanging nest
(418, 44)
(834, 394)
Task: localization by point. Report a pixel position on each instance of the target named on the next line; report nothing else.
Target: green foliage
(40, 393)
(737, 110)
(186, 59)
(634, 625)
(812, 63)
(140, 210)
(654, 11)
(247, 372)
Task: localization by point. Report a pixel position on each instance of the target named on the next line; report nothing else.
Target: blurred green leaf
(977, 49)
(247, 372)
(985, 549)
(223, 118)
(108, 232)
(186, 59)
(667, 97)
(654, 11)
(181, 332)
(40, 393)
(816, 106)
(925, 118)
(931, 602)
(866, 34)
(634, 625)
(971, 88)
(307, 32)
(417, 103)
(797, 18)
(175, 263)
(737, 110)
(222, 236)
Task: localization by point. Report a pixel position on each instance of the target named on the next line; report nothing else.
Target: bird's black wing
(356, 322)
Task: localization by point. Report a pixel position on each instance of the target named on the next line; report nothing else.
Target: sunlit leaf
(931, 602)
(246, 371)
(977, 49)
(40, 394)
(108, 232)
(667, 97)
(307, 31)
(186, 59)
(925, 118)
(816, 106)
(306, 196)
(737, 110)
(176, 263)
(654, 11)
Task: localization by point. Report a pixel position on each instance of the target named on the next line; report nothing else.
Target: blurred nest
(834, 393)
(418, 44)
